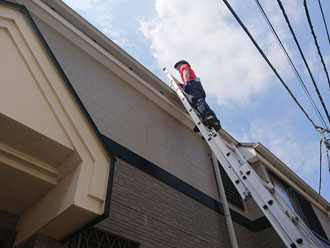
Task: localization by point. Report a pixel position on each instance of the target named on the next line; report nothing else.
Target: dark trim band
(171, 180)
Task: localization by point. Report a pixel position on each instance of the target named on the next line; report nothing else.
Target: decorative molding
(27, 164)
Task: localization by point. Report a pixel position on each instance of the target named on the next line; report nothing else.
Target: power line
(325, 24)
(268, 62)
(320, 178)
(303, 57)
(316, 43)
(291, 63)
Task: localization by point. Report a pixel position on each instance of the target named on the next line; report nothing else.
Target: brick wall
(269, 238)
(155, 215)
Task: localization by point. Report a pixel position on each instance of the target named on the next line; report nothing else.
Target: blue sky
(247, 97)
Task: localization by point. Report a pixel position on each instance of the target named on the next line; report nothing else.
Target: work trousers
(196, 97)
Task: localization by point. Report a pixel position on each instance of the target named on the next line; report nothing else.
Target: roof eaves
(107, 44)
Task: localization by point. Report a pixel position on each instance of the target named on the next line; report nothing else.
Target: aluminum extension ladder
(291, 229)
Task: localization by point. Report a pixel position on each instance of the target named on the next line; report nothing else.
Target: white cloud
(282, 140)
(206, 34)
(220, 52)
(293, 9)
(81, 4)
(99, 12)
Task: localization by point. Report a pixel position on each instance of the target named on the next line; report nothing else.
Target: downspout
(223, 197)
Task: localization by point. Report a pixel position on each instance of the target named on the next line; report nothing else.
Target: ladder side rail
(230, 170)
(288, 230)
(285, 228)
(280, 224)
(278, 210)
(296, 218)
(275, 213)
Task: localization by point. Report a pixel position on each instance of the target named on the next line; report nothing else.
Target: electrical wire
(320, 179)
(303, 57)
(325, 24)
(327, 151)
(267, 60)
(279, 77)
(291, 63)
(316, 43)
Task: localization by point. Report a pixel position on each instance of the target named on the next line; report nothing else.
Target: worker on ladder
(196, 95)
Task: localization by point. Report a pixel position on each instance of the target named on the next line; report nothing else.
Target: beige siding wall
(127, 116)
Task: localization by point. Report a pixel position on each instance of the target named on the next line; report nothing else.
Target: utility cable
(325, 24)
(267, 60)
(320, 179)
(291, 63)
(327, 151)
(316, 43)
(303, 57)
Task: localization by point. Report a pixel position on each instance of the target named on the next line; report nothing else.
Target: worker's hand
(186, 86)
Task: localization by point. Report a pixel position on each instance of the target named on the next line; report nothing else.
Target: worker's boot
(209, 121)
(216, 126)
